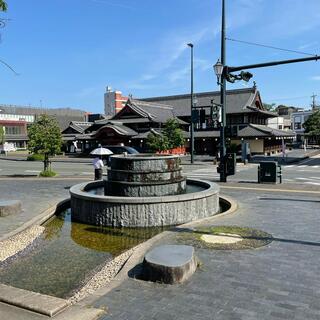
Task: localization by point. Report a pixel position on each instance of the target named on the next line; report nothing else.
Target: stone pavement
(279, 281)
(36, 195)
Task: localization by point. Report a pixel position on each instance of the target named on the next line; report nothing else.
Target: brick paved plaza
(278, 281)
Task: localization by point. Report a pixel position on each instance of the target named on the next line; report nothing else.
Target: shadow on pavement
(288, 199)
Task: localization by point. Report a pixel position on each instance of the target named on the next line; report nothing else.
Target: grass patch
(35, 157)
(47, 173)
(252, 238)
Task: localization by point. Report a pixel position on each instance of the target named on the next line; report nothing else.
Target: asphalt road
(9, 167)
(305, 172)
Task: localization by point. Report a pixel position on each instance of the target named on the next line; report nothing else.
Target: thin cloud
(114, 4)
(171, 50)
(184, 73)
(315, 78)
(308, 45)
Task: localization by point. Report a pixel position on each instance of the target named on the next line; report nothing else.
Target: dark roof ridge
(153, 104)
(197, 94)
(134, 104)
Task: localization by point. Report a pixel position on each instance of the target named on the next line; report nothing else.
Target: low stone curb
(40, 219)
(46, 305)
(33, 301)
(68, 160)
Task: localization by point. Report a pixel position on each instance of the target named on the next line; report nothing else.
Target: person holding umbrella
(98, 168)
(97, 161)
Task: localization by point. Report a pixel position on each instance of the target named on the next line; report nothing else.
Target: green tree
(3, 5)
(45, 138)
(157, 142)
(312, 125)
(173, 133)
(171, 137)
(2, 135)
(269, 106)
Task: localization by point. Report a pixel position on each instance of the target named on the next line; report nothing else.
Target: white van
(7, 146)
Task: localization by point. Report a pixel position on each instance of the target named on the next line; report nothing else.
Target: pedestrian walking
(98, 167)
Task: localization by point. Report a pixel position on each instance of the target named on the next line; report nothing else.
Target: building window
(297, 126)
(297, 119)
(14, 130)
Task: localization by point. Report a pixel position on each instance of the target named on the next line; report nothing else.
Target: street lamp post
(220, 72)
(191, 106)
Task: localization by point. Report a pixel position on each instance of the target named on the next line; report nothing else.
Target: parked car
(121, 149)
(117, 149)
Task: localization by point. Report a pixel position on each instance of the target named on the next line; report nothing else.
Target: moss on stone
(252, 238)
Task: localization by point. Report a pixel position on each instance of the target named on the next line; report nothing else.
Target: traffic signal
(215, 116)
(195, 116)
(202, 116)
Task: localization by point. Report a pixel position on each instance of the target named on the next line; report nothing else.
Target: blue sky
(67, 51)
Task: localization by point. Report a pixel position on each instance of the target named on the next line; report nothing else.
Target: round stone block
(8, 207)
(133, 176)
(145, 162)
(147, 189)
(169, 264)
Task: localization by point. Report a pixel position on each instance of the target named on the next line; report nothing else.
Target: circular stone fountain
(142, 191)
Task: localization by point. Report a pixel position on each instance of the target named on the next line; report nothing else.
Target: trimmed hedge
(35, 157)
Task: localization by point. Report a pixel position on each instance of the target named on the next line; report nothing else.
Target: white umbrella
(101, 151)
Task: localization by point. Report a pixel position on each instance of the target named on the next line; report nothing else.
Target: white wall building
(17, 117)
(113, 101)
(297, 120)
(276, 123)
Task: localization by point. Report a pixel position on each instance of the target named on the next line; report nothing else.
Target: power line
(271, 47)
(291, 98)
(9, 67)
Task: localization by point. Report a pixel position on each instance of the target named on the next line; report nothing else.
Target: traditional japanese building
(130, 126)
(245, 114)
(244, 110)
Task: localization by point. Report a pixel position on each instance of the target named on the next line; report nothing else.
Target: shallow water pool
(67, 254)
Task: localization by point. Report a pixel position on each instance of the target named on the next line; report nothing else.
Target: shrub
(47, 173)
(35, 157)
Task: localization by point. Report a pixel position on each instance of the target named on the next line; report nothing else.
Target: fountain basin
(119, 211)
(145, 175)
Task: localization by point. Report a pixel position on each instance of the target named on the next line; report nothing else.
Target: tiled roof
(255, 130)
(80, 126)
(120, 129)
(155, 112)
(144, 135)
(237, 101)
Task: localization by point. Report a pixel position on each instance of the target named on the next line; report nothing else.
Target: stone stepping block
(169, 264)
(8, 207)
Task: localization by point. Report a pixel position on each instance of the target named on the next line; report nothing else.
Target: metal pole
(272, 63)
(191, 105)
(223, 177)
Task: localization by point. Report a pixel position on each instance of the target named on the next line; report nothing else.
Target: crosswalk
(205, 174)
(301, 167)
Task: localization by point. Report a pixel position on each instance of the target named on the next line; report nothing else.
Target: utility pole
(314, 106)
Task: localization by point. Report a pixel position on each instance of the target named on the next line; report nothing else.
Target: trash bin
(231, 164)
(269, 172)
